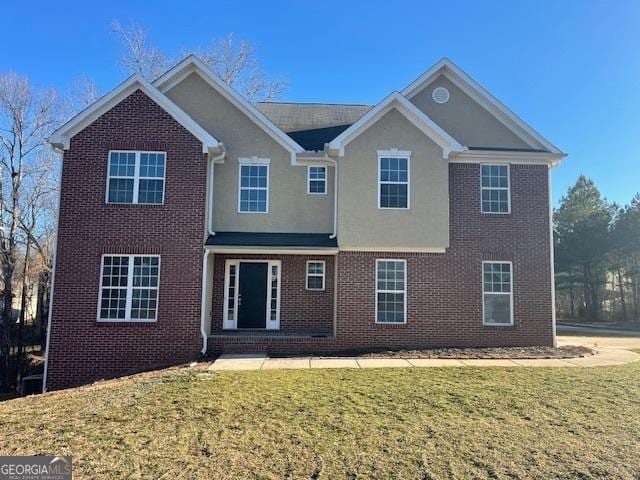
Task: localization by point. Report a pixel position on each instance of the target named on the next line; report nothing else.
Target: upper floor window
(393, 179)
(136, 177)
(253, 193)
(317, 179)
(494, 181)
(391, 291)
(497, 293)
(129, 288)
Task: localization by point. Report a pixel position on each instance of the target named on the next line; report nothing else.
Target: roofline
(411, 112)
(513, 156)
(319, 103)
(61, 138)
(476, 91)
(192, 64)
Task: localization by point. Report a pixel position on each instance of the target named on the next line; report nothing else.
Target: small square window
(317, 180)
(136, 177)
(315, 275)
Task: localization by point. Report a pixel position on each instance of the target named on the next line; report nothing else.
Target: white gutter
(212, 162)
(553, 269)
(53, 277)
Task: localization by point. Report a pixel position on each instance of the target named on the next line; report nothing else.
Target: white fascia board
(61, 138)
(501, 156)
(236, 250)
(411, 112)
(192, 64)
(472, 88)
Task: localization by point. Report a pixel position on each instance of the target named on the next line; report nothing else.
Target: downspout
(203, 306)
(212, 162)
(551, 252)
(205, 257)
(53, 277)
(335, 198)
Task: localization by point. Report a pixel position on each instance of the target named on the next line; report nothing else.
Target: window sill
(499, 325)
(391, 325)
(129, 205)
(125, 322)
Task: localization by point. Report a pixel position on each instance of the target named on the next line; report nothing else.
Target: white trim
(411, 112)
(61, 138)
(192, 64)
(255, 160)
(404, 292)
(240, 187)
(499, 293)
(514, 157)
(306, 280)
(136, 177)
(130, 287)
(271, 250)
(472, 88)
(309, 179)
(394, 153)
(232, 324)
(383, 248)
(508, 188)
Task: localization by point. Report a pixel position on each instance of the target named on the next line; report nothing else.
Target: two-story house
(192, 221)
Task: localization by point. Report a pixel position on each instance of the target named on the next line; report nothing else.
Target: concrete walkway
(606, 356)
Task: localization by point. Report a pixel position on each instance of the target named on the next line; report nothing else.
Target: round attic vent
(440, 95)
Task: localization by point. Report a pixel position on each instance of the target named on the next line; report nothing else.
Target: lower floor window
(497, 294)
(391, 291)
(129, 288)
(315, 275)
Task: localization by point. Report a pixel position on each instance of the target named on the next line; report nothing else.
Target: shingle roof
(295, 117)
(245, 239)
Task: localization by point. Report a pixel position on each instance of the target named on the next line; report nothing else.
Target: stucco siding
(466, 120)
(290, 208)
(360, 222)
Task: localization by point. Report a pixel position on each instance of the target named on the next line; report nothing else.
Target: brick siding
(81, 349)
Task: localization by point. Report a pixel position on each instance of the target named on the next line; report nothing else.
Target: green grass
(332, 424)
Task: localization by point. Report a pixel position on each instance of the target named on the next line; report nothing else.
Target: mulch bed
(569, 351)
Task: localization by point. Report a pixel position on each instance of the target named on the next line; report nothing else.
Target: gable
(61, 138)
(465, 119)
(446, 69)
(192, 64)
(397, 102)
(240, 135)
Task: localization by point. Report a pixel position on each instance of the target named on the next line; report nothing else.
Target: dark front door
(252, 295)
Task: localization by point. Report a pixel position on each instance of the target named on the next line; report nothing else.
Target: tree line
(597, 256)
(29, 172)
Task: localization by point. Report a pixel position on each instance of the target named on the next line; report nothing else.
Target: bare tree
(236, 63)
(26, 118)
(139, 55)
(83, 93)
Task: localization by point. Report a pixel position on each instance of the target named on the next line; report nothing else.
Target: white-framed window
(497, 293)
(495, 187)
(317, 179)
(391, 291)
(129, 288)
(253, 185)
(136, 177)
(315, 274)
(393, 179)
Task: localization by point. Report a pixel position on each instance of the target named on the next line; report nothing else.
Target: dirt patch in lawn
(568, 351)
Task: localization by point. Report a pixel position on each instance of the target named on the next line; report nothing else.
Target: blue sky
(570, 68)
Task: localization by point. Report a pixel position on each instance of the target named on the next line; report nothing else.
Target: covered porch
(268, 292)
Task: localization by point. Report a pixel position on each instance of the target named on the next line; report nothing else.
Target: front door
(252, 295)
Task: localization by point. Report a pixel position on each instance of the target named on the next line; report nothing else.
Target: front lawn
(331, 424)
